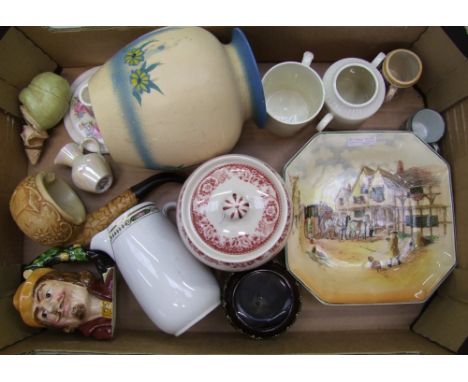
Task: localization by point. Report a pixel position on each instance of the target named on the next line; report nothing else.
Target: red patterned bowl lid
(234, 208)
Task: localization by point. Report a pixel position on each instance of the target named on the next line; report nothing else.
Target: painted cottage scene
(383, 228)
(397, 207)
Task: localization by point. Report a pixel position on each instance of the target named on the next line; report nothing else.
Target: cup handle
(307, 58)
(80, 94)
(324, 122)
(391, 93)
(378, 59)
(168, 207)
(90, 139)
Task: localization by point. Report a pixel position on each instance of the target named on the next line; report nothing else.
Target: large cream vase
(176, 97)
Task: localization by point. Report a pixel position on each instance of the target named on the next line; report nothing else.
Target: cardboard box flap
(12, 329)
(455, 149)
(444, 322)
(456, 286)
(79, 47)
(9, 98)
(21, 61)
(445, 69)
(141, 342)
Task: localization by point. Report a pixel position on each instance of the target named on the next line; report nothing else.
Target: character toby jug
(69, 301)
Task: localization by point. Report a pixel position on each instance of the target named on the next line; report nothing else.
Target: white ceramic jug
(90, 172)
(174, 289)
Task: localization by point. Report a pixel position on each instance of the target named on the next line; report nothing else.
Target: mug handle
(168, 207)
(82, 88)
(391, 93)
(378, 59)
(307, 58)
(90, 139)
(324, 122)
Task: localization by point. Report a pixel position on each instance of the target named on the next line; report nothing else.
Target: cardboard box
(438, 327)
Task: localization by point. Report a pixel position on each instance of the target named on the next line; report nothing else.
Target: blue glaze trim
(122, 87)
(242, 46)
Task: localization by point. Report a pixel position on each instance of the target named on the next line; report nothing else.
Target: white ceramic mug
(354, 91)
(402, 68)
(90, 172)
(294, 95)
(174, 289)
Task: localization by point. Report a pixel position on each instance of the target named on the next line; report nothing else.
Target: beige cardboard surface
(445, 69)
(358, 342)
(11, 329)
(9, 98)
(11, 157)
(455, 144)
(445, 320)
(93, 46)
(20, 61)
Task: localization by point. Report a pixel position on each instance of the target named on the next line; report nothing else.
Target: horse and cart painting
(373, 218)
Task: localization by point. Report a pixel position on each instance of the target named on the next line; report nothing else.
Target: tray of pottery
(329, 251)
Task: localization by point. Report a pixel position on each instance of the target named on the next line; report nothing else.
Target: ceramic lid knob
(236, 206)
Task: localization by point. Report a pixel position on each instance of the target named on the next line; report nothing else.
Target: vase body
(176, 97)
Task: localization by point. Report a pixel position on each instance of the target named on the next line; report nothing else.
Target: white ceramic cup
(294, 95)
(354, 91)
(174, 289)
(90, 172)
(401, 68)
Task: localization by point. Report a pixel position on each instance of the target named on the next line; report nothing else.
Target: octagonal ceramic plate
(373, 218)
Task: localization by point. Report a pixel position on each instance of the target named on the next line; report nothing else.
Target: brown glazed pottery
(48, 211)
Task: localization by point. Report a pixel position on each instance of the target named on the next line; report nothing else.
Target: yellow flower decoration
(134, 56)
(140, 80)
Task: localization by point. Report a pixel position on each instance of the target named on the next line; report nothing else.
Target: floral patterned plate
(79, 121)
(372, 218)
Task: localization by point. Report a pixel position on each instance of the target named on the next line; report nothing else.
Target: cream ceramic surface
(233, 213)
(294, 95)
(176, 97)
(373, 218)
(90, 172)
(402, 68)
(80, 121)
(354, 91)
(173, 288)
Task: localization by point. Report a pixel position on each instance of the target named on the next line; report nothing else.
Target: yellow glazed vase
(176, 97)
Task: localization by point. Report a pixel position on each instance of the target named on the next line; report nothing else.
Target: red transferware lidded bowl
(234, 213)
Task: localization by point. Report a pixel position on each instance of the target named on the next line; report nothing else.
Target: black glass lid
(263, 302)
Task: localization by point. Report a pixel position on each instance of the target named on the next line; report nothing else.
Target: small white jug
(90, 172)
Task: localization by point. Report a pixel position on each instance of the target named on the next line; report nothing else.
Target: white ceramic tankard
(174, 289)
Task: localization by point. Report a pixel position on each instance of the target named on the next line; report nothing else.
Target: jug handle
(101, 218)
(90, 139)
(324, 122)
(307, 58)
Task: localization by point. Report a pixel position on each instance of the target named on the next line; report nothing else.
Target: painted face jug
(176, 97)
